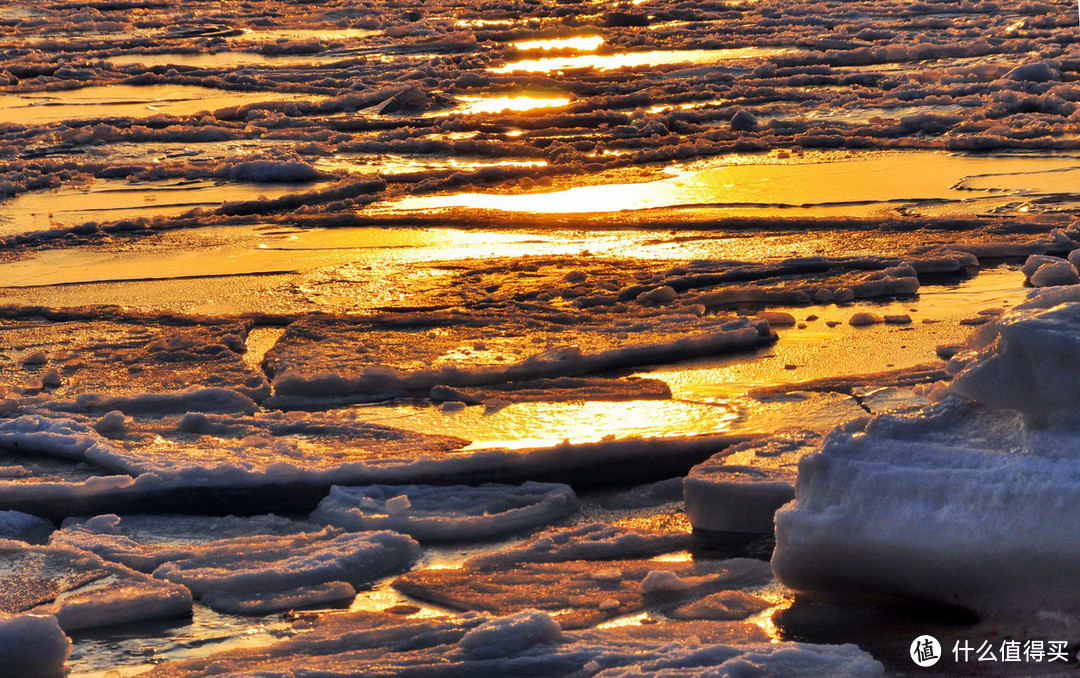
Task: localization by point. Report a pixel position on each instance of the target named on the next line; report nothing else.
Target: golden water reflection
(582, 43)
(471, 104)
(873, 184)
(607, 62)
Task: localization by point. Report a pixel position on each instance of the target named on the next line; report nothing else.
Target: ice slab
(136, 365)
(456, 513)
(373, 359)
(24, 527)
(81, 590)
(739, 491)
(966, 502)
(33, 646)
(287, 568)
(527, 642)
(130, 101)
(144, 541)
(114, 200)
(581, 593)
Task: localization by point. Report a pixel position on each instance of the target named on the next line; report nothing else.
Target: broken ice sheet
(85, 354)
(81, 589)
(581, 593)
(38, 108)
(109, 200)
(528, 642)
(376, 358)
(455, 513)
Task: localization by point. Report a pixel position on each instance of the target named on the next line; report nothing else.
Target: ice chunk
(32, 646)
(80, 589)
(24, 527)
(510, 635)
(265, 602)
(962, 505)
(740, 490)
(1058, 272)
(723, 606)
(1026, 362)
(458, 513)
(267, 563)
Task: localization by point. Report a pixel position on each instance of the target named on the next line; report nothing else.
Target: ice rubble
(581, 593)
(526, 642)
(456, 513)
(967, 502)
(33, 646)
(250, 565)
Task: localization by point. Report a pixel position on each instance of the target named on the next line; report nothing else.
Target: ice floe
(81, 590)
(33, 646)
(456, 513)
(964, 502)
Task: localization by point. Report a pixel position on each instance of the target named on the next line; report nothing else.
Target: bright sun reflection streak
(499, 104)
(606, 62)
(584, 43)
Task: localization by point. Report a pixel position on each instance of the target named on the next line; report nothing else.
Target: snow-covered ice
(456, 513)
(739, 490)
(967, 502)
(32, 646)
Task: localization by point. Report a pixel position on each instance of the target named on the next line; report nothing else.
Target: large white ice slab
(965, 502)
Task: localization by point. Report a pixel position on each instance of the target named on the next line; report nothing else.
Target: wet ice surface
(253, 252)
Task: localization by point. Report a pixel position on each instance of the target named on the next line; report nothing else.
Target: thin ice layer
(456, 513)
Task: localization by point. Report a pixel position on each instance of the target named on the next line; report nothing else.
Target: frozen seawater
(969, 501)
(525, 642)
(457, 513)
(32, 646)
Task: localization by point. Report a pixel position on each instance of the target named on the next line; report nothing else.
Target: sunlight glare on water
(607, 62)
(584, 43)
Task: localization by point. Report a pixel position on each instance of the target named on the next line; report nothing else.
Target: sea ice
(967, 502)
(581, 593)
(33, 646)
(528, 642)
(456, 513)
(81, 590)
(740, 490)
(591, 541)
